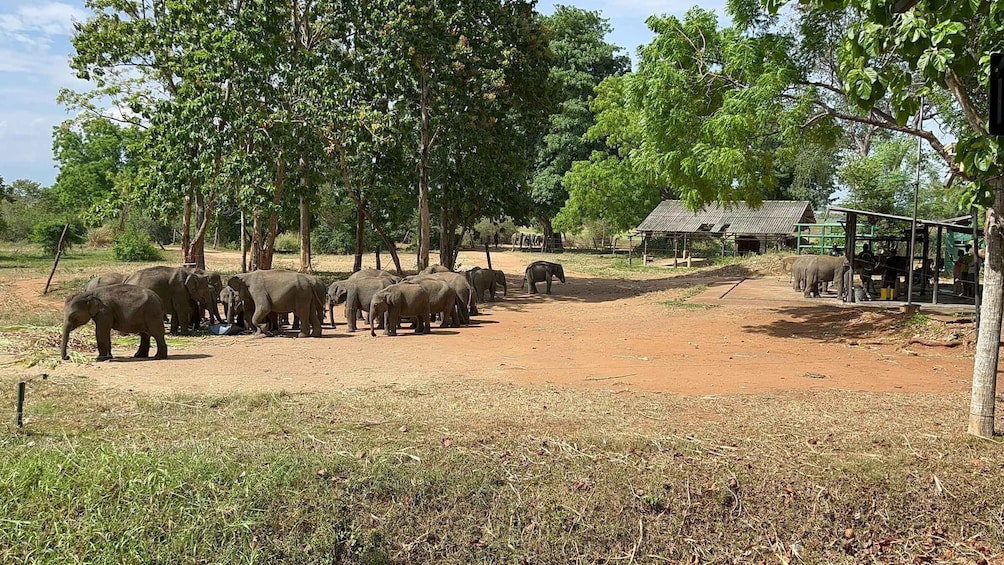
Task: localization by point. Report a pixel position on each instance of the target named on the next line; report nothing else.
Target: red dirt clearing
(592, 332)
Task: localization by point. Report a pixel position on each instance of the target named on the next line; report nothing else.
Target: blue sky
(35, 50)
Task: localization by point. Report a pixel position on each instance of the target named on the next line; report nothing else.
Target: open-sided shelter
(772, 224)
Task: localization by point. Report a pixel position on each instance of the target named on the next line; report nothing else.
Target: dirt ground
(591, 332)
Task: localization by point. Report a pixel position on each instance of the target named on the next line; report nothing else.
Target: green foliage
(132, 246)
(48, 233)
(287, 243)
(582, 59)
(95, 166)
(747, 136)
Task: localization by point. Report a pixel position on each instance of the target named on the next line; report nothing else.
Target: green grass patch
(476, 472)
(682, 300)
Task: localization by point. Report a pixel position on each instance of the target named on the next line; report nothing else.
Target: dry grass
(478, 472)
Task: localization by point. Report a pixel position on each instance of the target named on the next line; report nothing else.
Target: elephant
(442, 298)
(823, 269)
(487, 280)
(123, 307)
(397, 300)
(177, 290)
(277, 291)
(233, 307)
(437, 268)
(466, 305)
(368, 273)
(356, 293)
(215, 287)
(798, 271)
(542, 271)
(105, 280)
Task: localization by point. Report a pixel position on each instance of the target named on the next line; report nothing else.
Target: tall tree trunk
(548, 230)
(268, 246)
(306, 263)
(424, 219)
(186, 225)
(196, 251)
(256, 244)
(981, 408)
(357, 263)
(447, 227)
(391, 248)
(305, 259)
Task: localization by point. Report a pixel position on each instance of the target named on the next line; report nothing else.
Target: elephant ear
(236, 282)
(95, 306)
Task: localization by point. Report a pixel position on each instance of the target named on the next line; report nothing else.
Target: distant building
(752, 230)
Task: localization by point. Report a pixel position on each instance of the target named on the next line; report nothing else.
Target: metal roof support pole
(852, 231)
(937, 267)
(923, 263)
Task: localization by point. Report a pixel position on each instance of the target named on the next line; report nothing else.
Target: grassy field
(478, 472)
(494, 474)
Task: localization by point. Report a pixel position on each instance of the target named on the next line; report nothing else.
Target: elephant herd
(260, 301)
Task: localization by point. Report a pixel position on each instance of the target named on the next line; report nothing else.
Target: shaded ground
(673, 335)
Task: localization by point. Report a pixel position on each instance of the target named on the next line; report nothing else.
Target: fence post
(19, 414)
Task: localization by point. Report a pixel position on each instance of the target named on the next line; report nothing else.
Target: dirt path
(591, 332)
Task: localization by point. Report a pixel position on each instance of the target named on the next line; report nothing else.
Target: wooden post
(378, 257)
(644, 259)
(630, 250)
(59, 253)
(488, 255)
(676, 251)
(19, 413)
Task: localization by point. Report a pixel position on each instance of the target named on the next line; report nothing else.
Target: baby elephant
(397, 300)
(123, 307)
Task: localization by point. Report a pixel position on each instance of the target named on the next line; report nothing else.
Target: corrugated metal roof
(772, 217)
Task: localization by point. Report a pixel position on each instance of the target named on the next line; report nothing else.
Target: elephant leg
(260, 320)
(547, 290)
(393, 319)
(144, 346)
(315, 322)
(350, 316)
(103, 333)
(161, 346)
(184, 321)
(304, 318)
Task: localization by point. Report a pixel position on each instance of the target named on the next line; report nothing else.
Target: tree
(738, 140)
(94, 162)
(582, 59)
(937, 51)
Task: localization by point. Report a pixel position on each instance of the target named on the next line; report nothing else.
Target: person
(890, 276)
(864, 265)
(968, 268)
(924, 272)
(866, 254)
(496, 240)
(835, 251)
(958, 284)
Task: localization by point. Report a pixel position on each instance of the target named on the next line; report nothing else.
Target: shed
(751, 229)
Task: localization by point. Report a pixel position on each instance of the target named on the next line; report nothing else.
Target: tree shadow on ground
(170, 356)
(599, 289)
(827, 322)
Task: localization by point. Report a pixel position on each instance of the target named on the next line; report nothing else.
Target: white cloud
(46, 18)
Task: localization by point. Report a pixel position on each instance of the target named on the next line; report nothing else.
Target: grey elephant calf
(401, 300)
(105, 280)
(542, 271)
(122, 307)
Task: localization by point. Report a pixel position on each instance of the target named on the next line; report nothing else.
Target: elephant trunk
(373, 314)
(66, 339)
(505, 288)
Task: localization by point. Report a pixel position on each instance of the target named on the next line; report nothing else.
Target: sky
(34, 66)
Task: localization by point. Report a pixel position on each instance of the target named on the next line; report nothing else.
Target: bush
(287, 243)
(101, 236)
(48, 233)
(135, 246)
